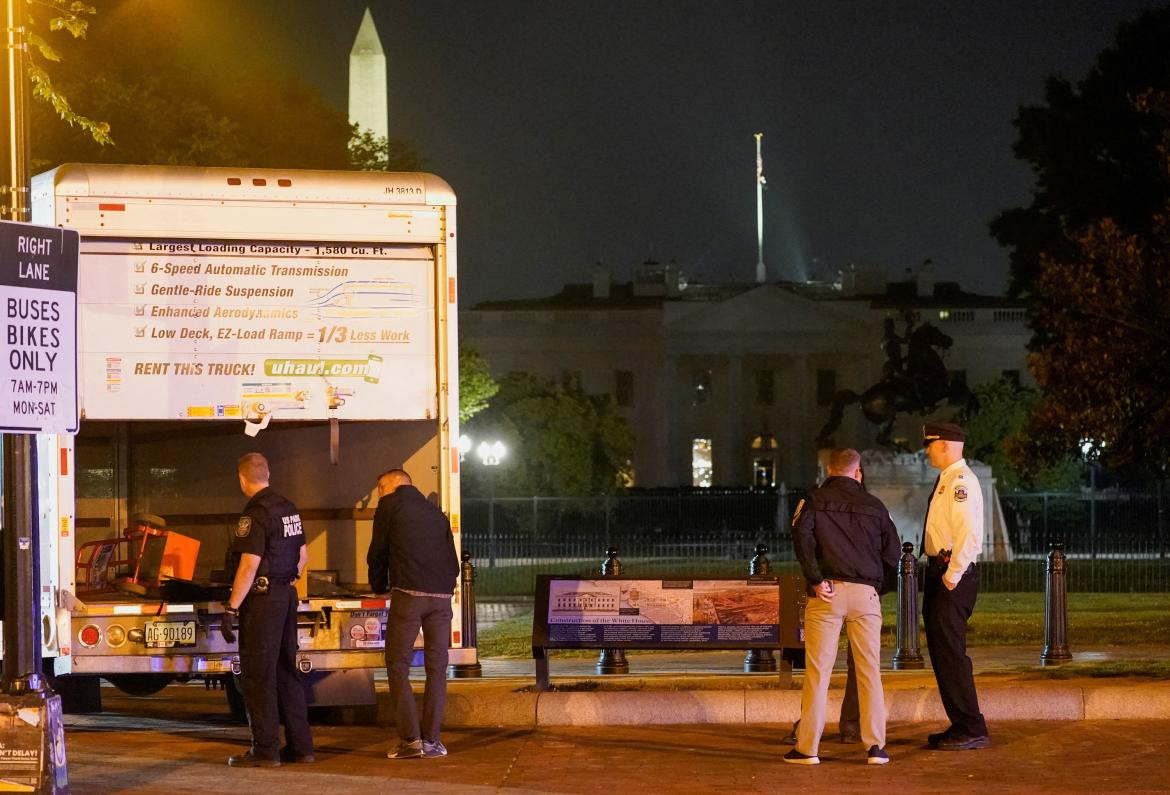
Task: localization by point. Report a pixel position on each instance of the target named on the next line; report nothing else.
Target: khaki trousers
(856, 607)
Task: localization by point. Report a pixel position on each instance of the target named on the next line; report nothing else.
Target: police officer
(952, 538)
(847, 545)
(268, 549)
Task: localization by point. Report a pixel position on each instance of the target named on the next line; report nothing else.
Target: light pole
(490, 454)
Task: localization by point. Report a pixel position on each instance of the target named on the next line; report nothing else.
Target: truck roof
(252, 184)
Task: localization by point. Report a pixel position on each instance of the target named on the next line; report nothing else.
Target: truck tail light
(89, 636)
(115, 636)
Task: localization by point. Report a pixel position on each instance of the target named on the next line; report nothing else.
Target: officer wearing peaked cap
(952, 538)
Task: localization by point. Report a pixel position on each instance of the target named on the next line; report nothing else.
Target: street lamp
(490, 454)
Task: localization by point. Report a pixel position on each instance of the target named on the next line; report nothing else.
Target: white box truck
(308, 315)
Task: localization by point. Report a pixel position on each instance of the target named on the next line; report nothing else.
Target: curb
(501, 707)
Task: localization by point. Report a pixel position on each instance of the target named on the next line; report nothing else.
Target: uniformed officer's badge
(244, 527)
(960, 493)
(796, 516)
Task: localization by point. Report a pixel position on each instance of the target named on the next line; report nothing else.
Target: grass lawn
(1000, 619)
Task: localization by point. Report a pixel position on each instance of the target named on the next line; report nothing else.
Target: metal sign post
(38, 394)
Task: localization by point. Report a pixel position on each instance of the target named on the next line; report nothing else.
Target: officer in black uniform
(269, 554)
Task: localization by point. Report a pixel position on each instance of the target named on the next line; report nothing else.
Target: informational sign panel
(206, 329)
(638, 613)
(38, 292)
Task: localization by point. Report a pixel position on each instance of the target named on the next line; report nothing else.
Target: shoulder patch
(796, 515)
(960, 493)
(244, 527)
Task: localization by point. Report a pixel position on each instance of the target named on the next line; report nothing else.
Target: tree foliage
(994, 421)
(1095, 153)
(167, 105)
(1104, 362)
(71, 16)
(561, 441)
(368, 152)
(476, 385)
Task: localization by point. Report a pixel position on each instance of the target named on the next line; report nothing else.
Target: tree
(70, 16)
(370, 153)
(561, 441)
(174, 106)
(999, 412)
(476, 385)
(1094, 152)
(1104, 362)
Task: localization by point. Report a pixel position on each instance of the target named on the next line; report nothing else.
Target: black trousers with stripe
(945, 614)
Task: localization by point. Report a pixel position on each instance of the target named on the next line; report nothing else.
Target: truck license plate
(165, 634)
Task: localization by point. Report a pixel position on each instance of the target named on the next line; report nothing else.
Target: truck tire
(140, 684)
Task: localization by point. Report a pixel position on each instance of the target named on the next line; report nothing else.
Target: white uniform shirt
(954, 519)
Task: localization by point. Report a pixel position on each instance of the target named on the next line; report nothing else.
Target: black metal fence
(1115, 541)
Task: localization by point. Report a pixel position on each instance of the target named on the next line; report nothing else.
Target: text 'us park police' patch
(244, 527)
(960, 493)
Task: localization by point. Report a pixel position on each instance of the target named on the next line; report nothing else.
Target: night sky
(586, 130)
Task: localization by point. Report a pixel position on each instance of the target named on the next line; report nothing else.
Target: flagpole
(761, 273)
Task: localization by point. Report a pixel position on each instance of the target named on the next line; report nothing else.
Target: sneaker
(877, 756)
(249, 759)
(431, 750)
(795, 757)
(963, 742)
(937, 737)
(407, 750)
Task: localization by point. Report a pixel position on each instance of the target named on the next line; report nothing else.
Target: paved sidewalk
(183, 753)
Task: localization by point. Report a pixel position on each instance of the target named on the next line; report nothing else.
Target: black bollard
(759, 660)
(1055, 608)
(472, 670)
(908, 655)
(612, 661)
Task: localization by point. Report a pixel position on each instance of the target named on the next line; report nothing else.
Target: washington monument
(367, 81)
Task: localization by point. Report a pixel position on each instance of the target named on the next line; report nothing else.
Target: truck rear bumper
(223, 663)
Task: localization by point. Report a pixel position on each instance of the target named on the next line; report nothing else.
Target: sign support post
(38, 394)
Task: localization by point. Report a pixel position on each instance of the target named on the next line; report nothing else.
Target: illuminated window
(764, 472)
(764, 460)
(701, 468)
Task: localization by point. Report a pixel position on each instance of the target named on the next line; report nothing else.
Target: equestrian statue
(914, 382)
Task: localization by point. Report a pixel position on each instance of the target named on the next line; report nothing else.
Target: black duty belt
(943, 558)
(262, 584)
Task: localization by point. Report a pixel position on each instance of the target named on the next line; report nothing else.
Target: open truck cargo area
(307, 315)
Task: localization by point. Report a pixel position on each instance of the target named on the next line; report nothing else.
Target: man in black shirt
(268, 554)
(847, 545)
(412, 555)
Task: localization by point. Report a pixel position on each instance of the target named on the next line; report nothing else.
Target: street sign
(38, 309)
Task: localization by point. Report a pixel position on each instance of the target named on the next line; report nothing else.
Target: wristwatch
(227, 608)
